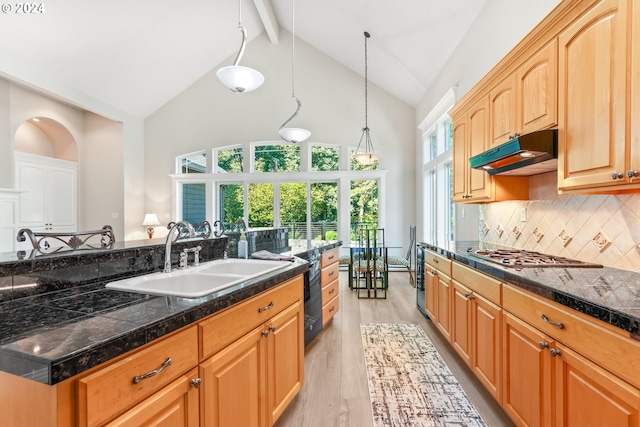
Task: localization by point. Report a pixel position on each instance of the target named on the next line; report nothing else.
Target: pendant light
(368, 156)
(238, 78)
(290, 134)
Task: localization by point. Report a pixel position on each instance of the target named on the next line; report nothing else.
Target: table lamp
(150, 221)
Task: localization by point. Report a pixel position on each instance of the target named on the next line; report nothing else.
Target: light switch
(523, 215)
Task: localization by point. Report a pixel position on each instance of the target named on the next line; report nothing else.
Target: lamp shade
(368, 158)
(294, 134)
(151, 220)
(240, 79)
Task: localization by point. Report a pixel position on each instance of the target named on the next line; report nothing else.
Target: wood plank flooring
(335, 392)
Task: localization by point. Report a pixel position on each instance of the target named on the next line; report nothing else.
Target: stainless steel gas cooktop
(519, 258)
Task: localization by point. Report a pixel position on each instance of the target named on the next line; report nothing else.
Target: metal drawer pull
(470, 296)
(331, 309)
(149, 374)
(558, 324)
(272, 328)
(265, 308)
(555, 352)
(196, 382)
(332, 273)
(543, 344)
(332, 291)
(265, 333)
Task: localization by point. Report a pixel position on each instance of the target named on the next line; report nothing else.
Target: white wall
(499, 27)
(208, 115)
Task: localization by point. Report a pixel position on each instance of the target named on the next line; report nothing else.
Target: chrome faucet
(177, 229)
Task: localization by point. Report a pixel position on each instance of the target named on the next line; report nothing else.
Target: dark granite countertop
(608, 294)
(303, 248)
(51, 336)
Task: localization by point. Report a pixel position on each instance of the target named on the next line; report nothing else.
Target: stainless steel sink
(201, 280)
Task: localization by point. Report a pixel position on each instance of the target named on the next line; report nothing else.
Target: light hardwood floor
(335, 391)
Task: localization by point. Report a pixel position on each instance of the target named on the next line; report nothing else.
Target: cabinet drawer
(484, 285)
(329, 274)
(607, 346)
(329, 310)
(110, 390)
(438, 262)
(329, 257)
(330, 291)
(225, 327)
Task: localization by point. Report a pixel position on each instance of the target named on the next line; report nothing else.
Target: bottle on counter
(243, 246)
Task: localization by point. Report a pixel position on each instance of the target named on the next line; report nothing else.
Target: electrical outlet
(523, 215)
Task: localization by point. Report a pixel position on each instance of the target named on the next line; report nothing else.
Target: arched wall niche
(46, 137)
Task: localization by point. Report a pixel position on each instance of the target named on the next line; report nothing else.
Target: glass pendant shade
(236, 77)
(294, 135)
(366, 158)
(240, 79)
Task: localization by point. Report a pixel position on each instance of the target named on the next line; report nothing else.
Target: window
(231, 203)
(324, 210)
(192, 163)
(437, 179)
(277, 158)
(260, 205)
(324, 158)
(229, 160)
(293, 208)
(364, 205)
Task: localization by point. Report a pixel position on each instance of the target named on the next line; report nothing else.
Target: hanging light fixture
(368, 156)
(238, 78)
(293, 134)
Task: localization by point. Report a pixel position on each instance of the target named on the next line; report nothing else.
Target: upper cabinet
(526, 100)
(471, 137)
(593, 151)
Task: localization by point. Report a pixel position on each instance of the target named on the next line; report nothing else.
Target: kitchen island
(59, 322)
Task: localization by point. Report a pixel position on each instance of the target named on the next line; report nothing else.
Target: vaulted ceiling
(137, 55)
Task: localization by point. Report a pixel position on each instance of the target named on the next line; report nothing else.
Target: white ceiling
(137, 55)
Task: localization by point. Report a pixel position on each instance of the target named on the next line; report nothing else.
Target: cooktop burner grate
(518, 258)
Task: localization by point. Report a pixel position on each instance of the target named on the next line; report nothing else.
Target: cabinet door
(592, 98)
(285, 359)
(461, 315)
(526, 392)
(176, 405)
(430, 293)
(460, 159)
(634, 161)
(62, 197)
(478, 137)
(537, 93)
(443, 313)
(587, 395)
(502, 101)
(233, 384)
(486, 335)
(32, 178)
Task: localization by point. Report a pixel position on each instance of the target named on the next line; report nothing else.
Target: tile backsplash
(604, 229)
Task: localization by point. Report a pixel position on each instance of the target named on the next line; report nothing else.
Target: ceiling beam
(269, 20)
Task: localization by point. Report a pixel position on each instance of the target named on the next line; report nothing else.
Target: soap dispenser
(243, 246)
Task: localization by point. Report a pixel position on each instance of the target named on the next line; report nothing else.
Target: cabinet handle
(196, 382)
(332, 291)
(435, 260)
(543, 344)
(558, 324)
(266, 307)
(616, 175)
(149, 374)
(332, 308)
(332, 257)
(470, 296)
(632, 173)
(555, 352)
(332, 273)
(265, 333)
(272, 328)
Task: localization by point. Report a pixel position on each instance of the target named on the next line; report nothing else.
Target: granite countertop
(53, 336)
(608, 294)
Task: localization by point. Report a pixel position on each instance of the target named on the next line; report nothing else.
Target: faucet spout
(178, 229)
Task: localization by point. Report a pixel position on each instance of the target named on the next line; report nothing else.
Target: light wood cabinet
(593, 153)
(329, 282)
(470, 137)
(476, 330)
(526, 101)
(558, 374)
(251, 379)
(438, 291)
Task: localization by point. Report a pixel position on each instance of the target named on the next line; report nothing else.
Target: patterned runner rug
(409, 383)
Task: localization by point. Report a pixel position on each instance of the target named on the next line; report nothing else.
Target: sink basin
(194, 282)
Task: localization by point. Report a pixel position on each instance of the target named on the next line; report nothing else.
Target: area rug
(409, 383)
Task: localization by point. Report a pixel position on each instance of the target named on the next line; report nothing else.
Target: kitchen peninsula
(59, 325)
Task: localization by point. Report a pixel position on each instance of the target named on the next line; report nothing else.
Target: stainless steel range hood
(530, 154)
